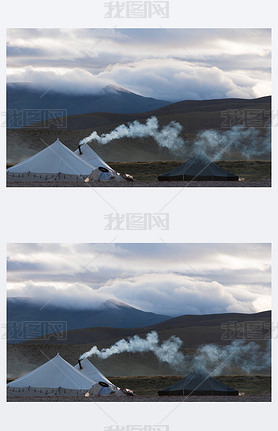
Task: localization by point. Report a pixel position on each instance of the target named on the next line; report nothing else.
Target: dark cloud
(25, 267)
(17, 51)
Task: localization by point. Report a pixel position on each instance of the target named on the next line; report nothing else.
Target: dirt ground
(181, 184)
(141, 398)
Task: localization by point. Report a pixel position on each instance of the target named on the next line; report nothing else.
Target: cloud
(177, 80)
(197, 259)
(65, 263)
(171, 64)
(62, 79)
(170, 279)
(175, 294)
(171, 294)
(70, 295)
(161, 79)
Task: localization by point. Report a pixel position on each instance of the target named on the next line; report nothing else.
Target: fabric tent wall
(198, 169)
(52, 160)
(90, 371)
(58, 378)
(91, 157)
(198, 383)
(55, 373)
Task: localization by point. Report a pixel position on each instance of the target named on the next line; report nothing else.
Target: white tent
(89, 156)
(90, 371)
(58, 377)
(101, 386)
(54, 159)
(53, 375)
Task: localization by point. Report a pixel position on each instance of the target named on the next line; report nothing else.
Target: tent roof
(91, 372)
(55, 373)
(54, 159)
(91, 157)
(198, 168)
(198, 382)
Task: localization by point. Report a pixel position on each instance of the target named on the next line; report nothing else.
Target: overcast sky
(171, 279)
(169, 64)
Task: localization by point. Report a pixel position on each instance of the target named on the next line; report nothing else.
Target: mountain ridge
(192, 329)
(111, 313)
(28, 98)
(84, 121)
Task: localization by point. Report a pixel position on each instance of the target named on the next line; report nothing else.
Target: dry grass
(149, 385)
(255, 389)
(149, 171)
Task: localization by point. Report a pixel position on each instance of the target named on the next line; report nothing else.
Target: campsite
(254, 389)
(57, 380)
(163, 333)
(246, 164)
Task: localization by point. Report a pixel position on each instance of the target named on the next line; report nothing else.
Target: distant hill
(112, 313)
(192, 329)
(210, 112)
(216, 105)
(24, 96)
(195, 116)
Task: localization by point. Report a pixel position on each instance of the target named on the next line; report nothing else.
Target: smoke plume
(247, 357)
(167, 351)
(239, 355)
(168, 136)
(237, 141)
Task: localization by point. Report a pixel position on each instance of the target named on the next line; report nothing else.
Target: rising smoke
(248, 357)
(167, 137)
(167, 351)
(248, 143)
(239, 355)
(243, 143)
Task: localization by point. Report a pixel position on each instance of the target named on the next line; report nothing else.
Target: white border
(197, 215)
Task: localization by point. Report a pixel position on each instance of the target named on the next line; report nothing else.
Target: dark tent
(198, 169)
(198, 383)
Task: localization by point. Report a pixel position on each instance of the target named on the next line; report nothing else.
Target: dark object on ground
(128, 177)
(128, 392)
(198, 383)
(104, 384)
(198, 169)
